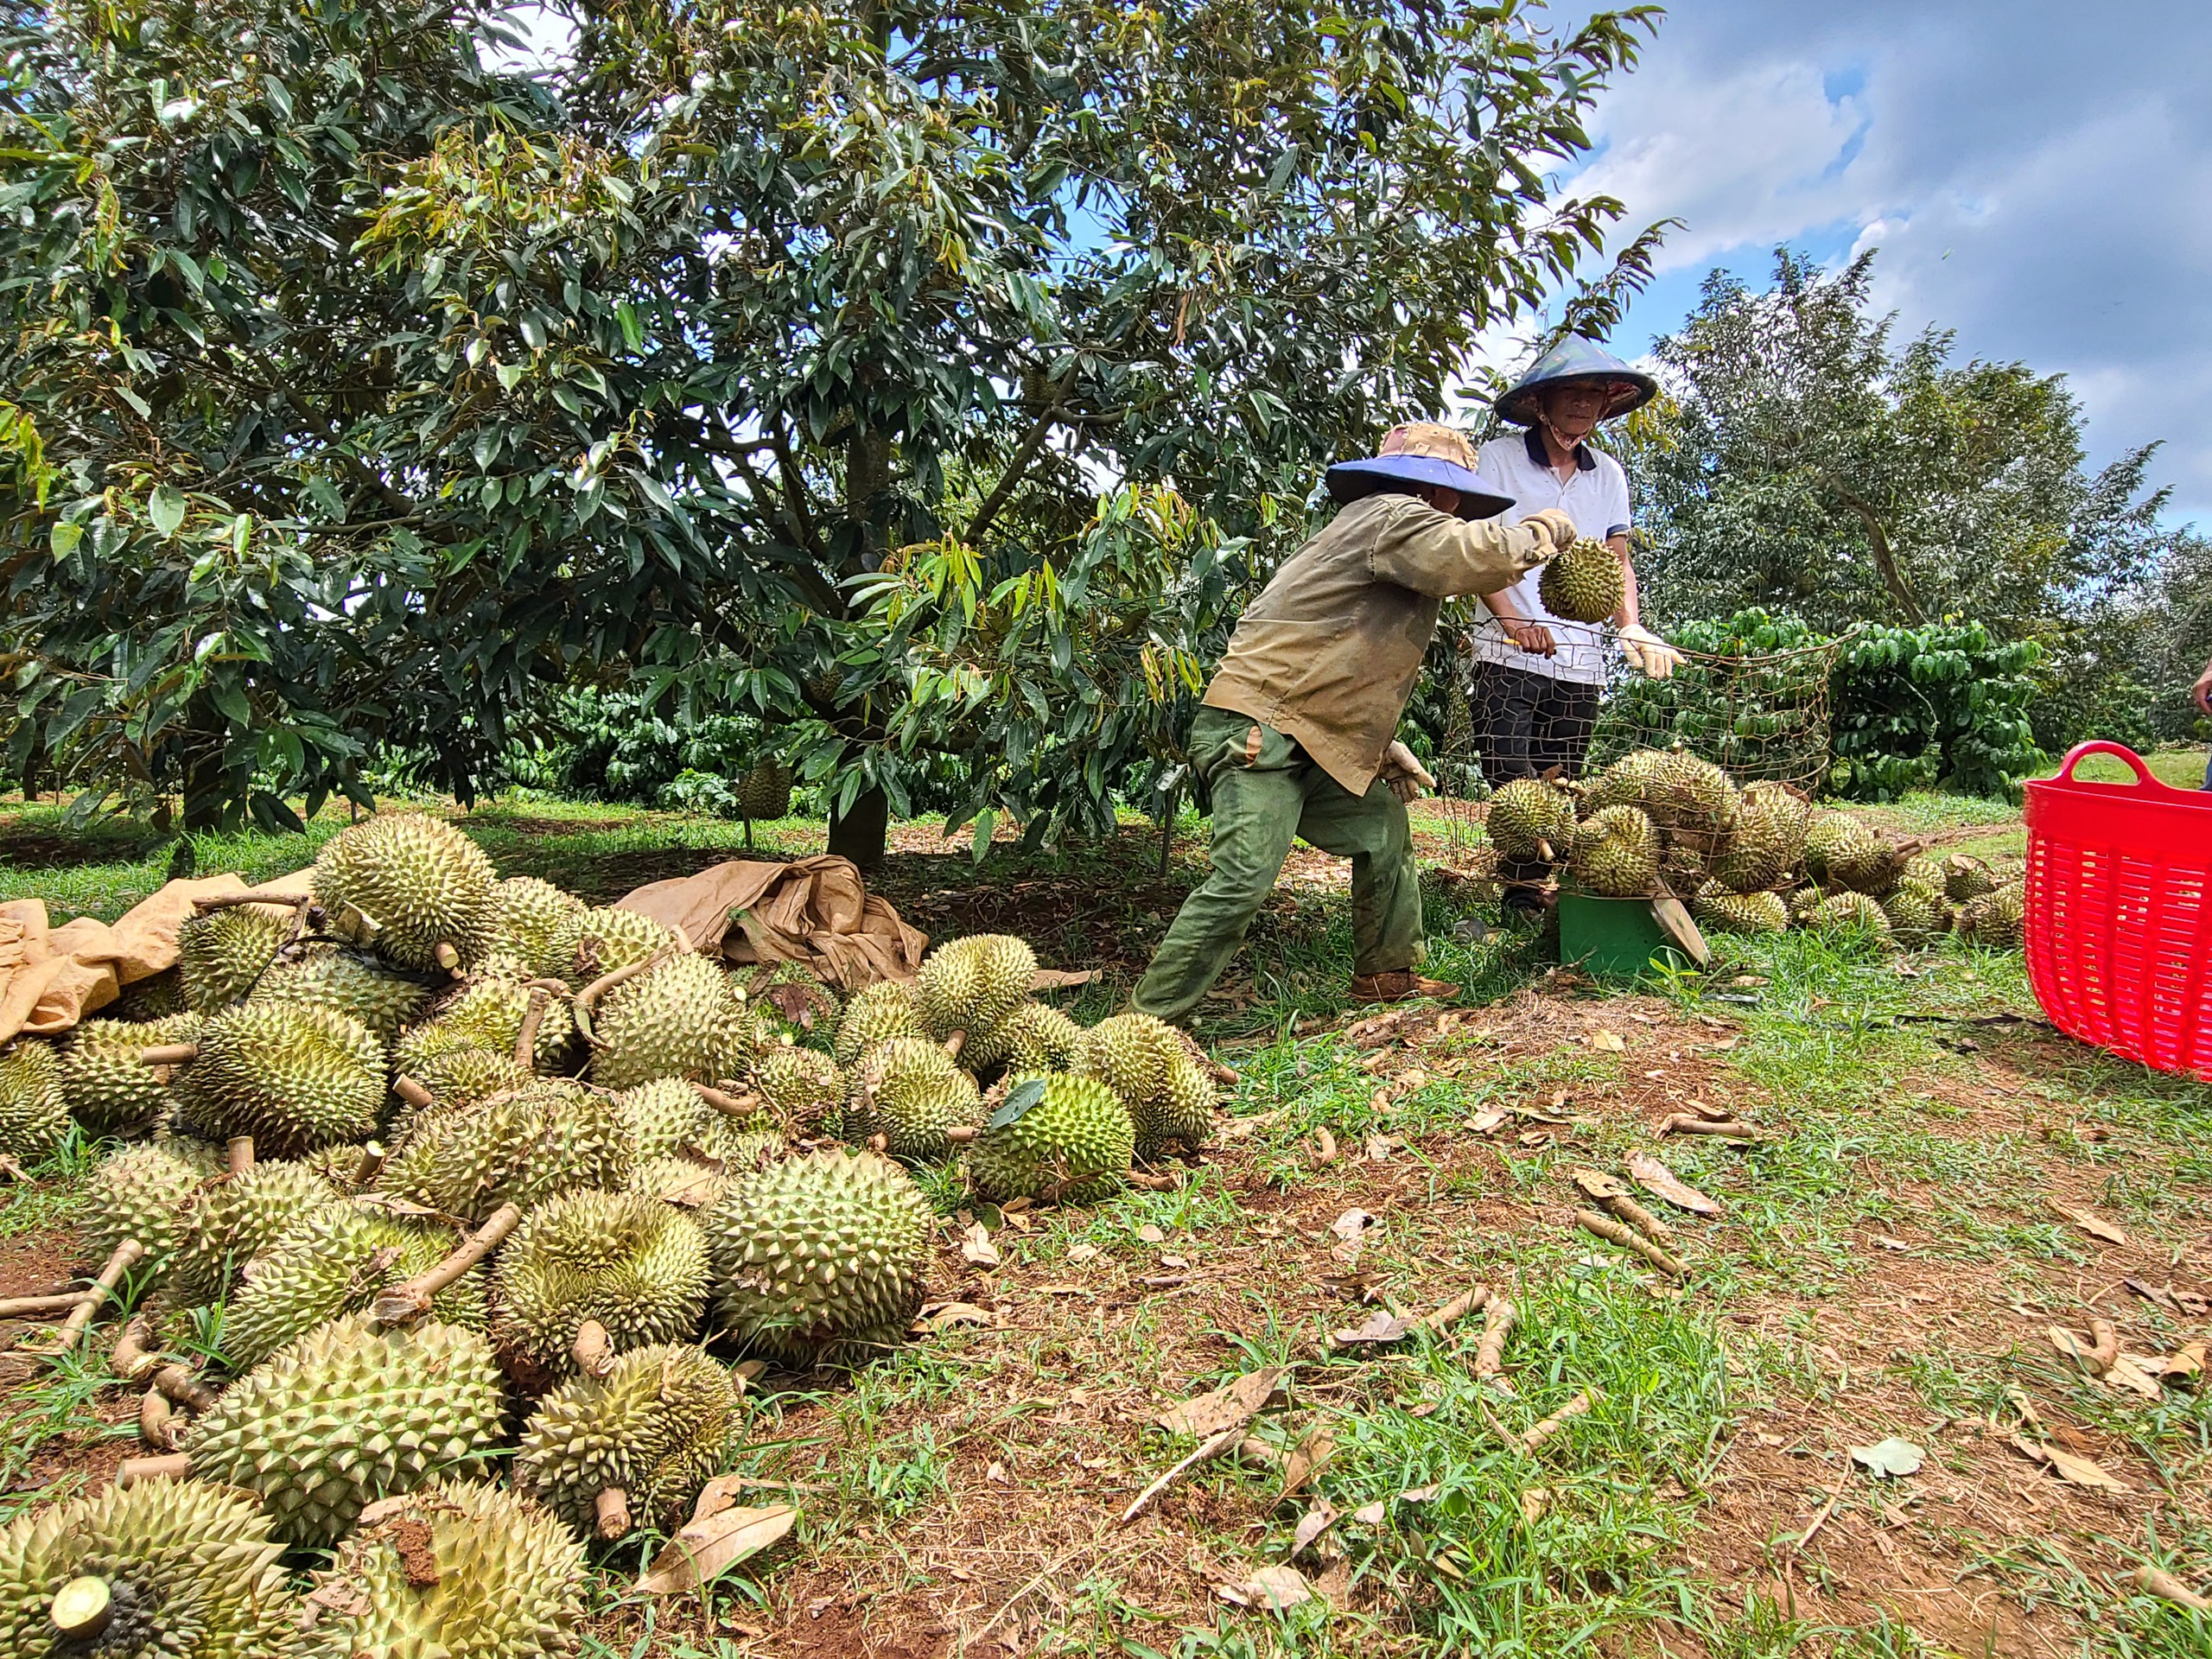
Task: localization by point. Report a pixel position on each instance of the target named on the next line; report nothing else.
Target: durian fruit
(678, 1019)
(1996, 920)
(238, 1217)
(684, 1182)
(1682, 869)
(1829, 835)
(1927, 871)
(190, 1572)
(1967, 877)
(1584, 583)
(459, 1571)
(522, 1149)
(293, 1077)
(1917, 912)
(463, 1076)
(347, 1415)
(637, 1266)
(158, 997)
(1157, 1073)
(589, 943)
(1850, 915)
(1801, 901)
(821, 1258)
(1035, 1037)
(222, 954)
(486, 1011)
(661, 1118)
(331, 977)
(1868, 864)
(528, 915)
(971, 984)
(791, 998)
(1688, 796)
(407, 885)
(103, 1086)
(765, 791)
(143, 1191)
(1766, 841)
(1077, 1140)
(655, 1429)
(911, 1091)
(33, 1110)
(1529, 819)
(1625, 783)
(802, 1089)
(887, 1009)
(333, 1261)
(1616, 853)
(1723, 911)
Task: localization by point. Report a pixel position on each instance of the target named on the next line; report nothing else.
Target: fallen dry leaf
(1420, 1494)
(2129, 1372)
(1307, 1458)
(1226, 1406)
(1369, 1515)
(1311, 1525)
(1484, 1122)
(704, 1549)
(1351, 1230)
(1605, 1040)
(1379, 1329)
(1598, 1183)
(997, 1476)
(1065, 1290)
(943, 1316)
(1653, 1177)
(2082, 1471)
(1150, 1235)
(976, 1246)
(2088, 1221)
(1379, 1148)
(1082, 1252)
(1272, 1587)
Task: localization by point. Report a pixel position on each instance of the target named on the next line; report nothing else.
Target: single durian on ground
(971, 984)
(408, 887)
(457, 1571)
(1157, 1072)
(1801, 901)
(1917, 912)
(1723, 912)
(103, 1086)
(802, 1089)
(1868, 864)
(189, 1571)
(1850, 915)
(1766, 841)
(347, 1415)
(655, 1428)
(679, 1019)
(293, 1077)
(589, 943)
(1529, 819)
(143, 1191)
(1996, 920)
(331, 1262)
(1616, 853)
(238, 1217)
(352, 982)
(1829, 835)
(486, 1011)
(1074, 1139)
(222, 954)
(33, 1110)
(528, 915)
(910, 1092)
(1584, 583)
(635, 1265)
(887, 1009)
(821, 1258)
(1967, 877)
(550, 1135)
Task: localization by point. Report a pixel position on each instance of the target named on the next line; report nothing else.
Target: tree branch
(1900, 591)
(1017, 467)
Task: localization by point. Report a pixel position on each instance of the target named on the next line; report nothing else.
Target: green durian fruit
(684, 1182)
(802, 1089)
(1829, 835)
(664, 1115)
(143, 1191)
(790, 999)
(1584, 583)
(678, 1019)
(462, 1077)
(405, 884)
(1996, 920)
(486, 1011)
(103, 1086)
(1766, 841)
(190, 1570)
(331, 977)
(911, 1091)
(1917, 912)
(33, 1110)
(547, 1137)
(1721, 911)
(1616, 853)
(1868, 864)
(821, 1258)
(459, 1571)
(293, 1077)
(238, 1217)
(887, 1009)
(1927, 871)
(765, 791)
(222, 954)
(1529, 819)
(971, 984)
(637, 1266)
(1629, 781)
(1035, 1037)
(1181, 1110)
(1850, 915)
(1801, 901)
(589, 943)
(347, 1415)
(1689, 796)
(1682, 868)
(158, 997)
(333, 1261)
(1158, 1074)
(527, 916)
(1076, 1140)
(1967, 877)
(655, 1428)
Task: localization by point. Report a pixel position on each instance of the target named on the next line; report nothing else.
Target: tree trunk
(862, 833)
(203, 785)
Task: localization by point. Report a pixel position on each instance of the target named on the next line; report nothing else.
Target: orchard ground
(1889, 1260)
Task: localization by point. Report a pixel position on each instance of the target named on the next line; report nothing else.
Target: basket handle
(2081, 752)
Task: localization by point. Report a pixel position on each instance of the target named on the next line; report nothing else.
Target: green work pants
(1266, 793)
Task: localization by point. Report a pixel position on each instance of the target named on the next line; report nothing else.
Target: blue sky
(2038, 177)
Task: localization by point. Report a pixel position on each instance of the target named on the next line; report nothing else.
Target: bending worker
(1297, 736)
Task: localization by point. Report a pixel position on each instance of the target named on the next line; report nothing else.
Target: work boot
(1402, 986)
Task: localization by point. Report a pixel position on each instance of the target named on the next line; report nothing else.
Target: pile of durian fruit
(439, 1156)
(1754, 860)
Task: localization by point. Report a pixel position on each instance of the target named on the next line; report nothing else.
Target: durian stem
(954, 1043)
(413, 1093)
(18, 1307)
(131, 1359)
(1227, 1076)
(238, 1153)
(1543, 1433)
(170, 1054)
(127, 1256)
(446, 957)
(594, 1352)
(1683, 1123)
(82, 1609)
(588, 998)
(241, 901)
(962, 1136)
(371, 1163)
(180, 1384)
(1628, 1238)
(176, 1465)
(157, 1421)
(729, 1105)
(533, 1015)
(611, 1508)
(1640, 1218)
(405, 1304)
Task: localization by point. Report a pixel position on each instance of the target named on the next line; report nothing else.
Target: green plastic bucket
(1615, 937)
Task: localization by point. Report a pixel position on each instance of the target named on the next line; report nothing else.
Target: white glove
(1647, 653)
(1556, 526)
(1402, 770)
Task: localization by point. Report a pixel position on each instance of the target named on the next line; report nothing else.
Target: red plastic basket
(2119, 912)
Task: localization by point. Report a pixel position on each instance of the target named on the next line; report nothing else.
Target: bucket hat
(1420, 452)
(1575, 359)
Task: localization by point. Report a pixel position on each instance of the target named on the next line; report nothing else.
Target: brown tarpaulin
(817, 911)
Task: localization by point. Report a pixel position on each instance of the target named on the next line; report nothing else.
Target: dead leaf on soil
(1653, 1177)
(1238, 1128)
(1082, 1252)
(1420, 1494)
(1605, 1040)
(1307, 1458)
(2088, 1221)
(1226, 1406)
(1150, 1235)
(1485, 1123)
(1311, 1525)
(1888, 1459)
(2129, 1372)
(1272, 1587)
(1351, 1230)
(2080, 1471)
(2172, 1298)
(1369, 1515)
(1380, 1328)
(1598, 1183)
(976, 1246)
(943, 1316)
(707, 1548)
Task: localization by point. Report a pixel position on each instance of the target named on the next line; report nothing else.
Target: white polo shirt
(1596, 497)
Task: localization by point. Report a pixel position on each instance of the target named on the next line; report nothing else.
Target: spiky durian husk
(1180, 1111)
(887, 1009)
(294, 1077)
(547, 1137)
(910, 1091)
(790, 999)
(1527, 816)
(1035, 1037)
(1917, 912)
(1996, 920)
(801, 1089)
(1584, 583)
(404, 883)
(658, 1426)
(1850, 915)
(765, 791)
(143, 1191)
(589, 943)
(1829, 836)
(1157, 1073)
(1801, 901)
(461, 1571)
(461, 1077)
(191, 1570)
(1616, 853)
(527, 919)
(347, 1415)
(1766, 841)
(635, 1265)
(1967, 877)
(353, 983)
(331, 1262)
(1725, 912)
(678, 1019)
(1077, 1140)
(661, 1117)
(33, 1112)
(684, 1182)
(971, 984)
(821, 1257)
(1868, 864)
(103, 1085)
(158, 997)
(222, 954)
(238, 1217)
(1622, 782)
(1682, 868)
(1925, 871)
(486, 1011)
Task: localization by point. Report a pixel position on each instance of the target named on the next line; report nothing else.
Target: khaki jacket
(1329, 652)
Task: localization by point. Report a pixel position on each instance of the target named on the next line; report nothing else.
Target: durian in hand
(634, 1265)
(34, 1111)
(180, 1570)
(351, 981)
(331, 1262)
(1072, 1138)
(409, 886)
(293, 1077)
(679, 1019)
(347, 1415)
(821, 1258)
(1529, 819)
(1616, 853)
(528, 919)
(971, 984)
(887, 1009)
(1584, 583)
(655, 1429)
(522, 1149)
(910, 1092)
(222, 954)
